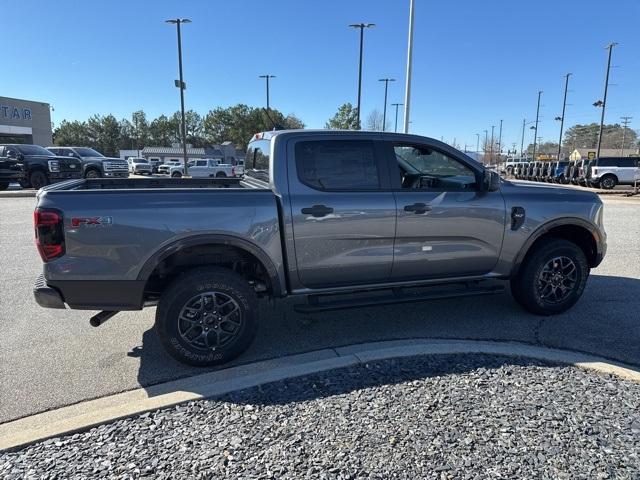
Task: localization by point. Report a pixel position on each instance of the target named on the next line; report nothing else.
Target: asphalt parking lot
(51, 358)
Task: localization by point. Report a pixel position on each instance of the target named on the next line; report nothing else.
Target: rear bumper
(46, 296)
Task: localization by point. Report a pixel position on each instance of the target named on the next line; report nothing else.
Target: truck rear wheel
(208, 316)
(608, 182)
(552, 278)
(4, 185)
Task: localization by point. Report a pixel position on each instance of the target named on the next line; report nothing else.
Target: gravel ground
(453, 416)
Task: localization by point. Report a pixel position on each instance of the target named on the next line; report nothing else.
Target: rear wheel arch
(575, 230)
(219, 250)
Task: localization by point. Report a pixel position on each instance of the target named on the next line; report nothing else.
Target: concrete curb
(84, 415)
(18, 193)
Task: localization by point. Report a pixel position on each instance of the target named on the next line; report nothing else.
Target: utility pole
(407, 91)
(396, 105)
(524, 122)
(386, 87)
(477, 143)
(564, 106)
(484, 149)
(361, 26)
(267, 77)
(491, 147)
(500, 141)
(625, 122)
(181, 86)
(603, 103)
(535, 133)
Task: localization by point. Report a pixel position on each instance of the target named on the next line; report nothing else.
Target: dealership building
(25, 121)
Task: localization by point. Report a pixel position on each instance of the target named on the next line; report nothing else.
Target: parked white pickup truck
(207, 167)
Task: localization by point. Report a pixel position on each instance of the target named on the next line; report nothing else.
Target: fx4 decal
(91, 221)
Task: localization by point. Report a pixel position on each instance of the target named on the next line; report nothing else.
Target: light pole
(267, 77)
(384, 111)
(561, 118)
(181, 85)
(361, 26)
(407, 91)
(603, 103)
(535, 133)
(396, 105)
(477, 143)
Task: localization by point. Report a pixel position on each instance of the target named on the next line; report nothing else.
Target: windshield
(140, 160)
(88, 152)
(33, 150)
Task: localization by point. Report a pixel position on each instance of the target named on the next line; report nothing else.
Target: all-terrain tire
(179, 295)
(608, 182)
(38, 179)
(526, 286)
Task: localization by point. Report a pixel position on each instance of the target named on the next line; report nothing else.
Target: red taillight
(49, 231)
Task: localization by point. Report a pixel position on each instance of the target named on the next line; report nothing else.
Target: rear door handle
(417, 208)
(317, 211)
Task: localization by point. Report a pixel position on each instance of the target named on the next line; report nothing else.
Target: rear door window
(337, 165)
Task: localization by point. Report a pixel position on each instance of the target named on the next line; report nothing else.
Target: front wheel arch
(575, 230)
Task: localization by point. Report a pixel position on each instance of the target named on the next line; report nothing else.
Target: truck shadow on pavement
(605, 322)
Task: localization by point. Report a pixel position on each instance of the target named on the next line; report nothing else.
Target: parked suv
(10, 172)
(94, 164)
(607, 172)
(41, 167)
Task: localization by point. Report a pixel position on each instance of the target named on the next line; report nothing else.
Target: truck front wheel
(38, 179)
(552, 278)
(207, 316)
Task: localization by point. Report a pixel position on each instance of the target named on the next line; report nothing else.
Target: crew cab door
(446, 226)
(199, 168)
(343, 213)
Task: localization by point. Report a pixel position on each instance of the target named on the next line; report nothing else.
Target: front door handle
(317, 211)
(417, 208)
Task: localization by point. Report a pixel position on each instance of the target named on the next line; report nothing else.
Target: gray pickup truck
(339, 218)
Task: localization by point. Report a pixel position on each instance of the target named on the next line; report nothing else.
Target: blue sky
(474, 62)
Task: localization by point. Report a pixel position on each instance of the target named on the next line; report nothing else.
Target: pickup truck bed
(120, 229)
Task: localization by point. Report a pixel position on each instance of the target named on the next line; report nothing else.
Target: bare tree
(374, 121)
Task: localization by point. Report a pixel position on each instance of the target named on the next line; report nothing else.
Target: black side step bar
(341, 301)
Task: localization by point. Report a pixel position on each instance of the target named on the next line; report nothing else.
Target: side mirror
(490, 181)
